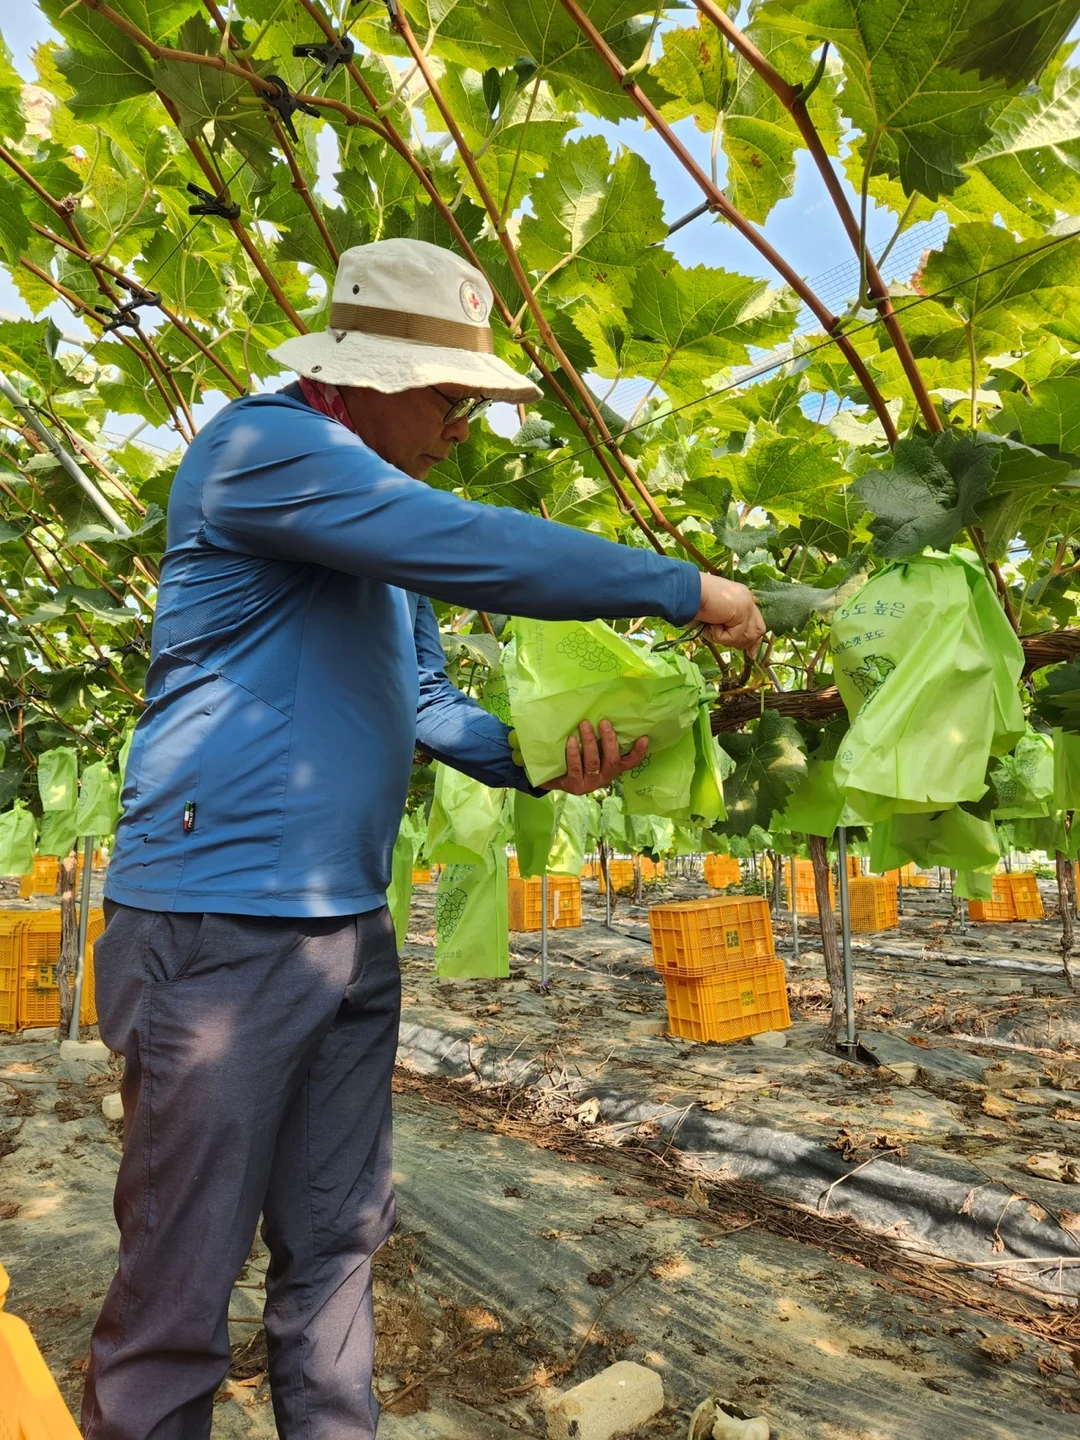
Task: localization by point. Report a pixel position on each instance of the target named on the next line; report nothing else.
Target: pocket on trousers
(175, 942)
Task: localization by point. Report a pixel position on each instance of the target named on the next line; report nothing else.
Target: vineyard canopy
(161, 179)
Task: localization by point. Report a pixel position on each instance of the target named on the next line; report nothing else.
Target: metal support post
(845, 935)
(61, 456)
(84, 921)
(794, 913)
(544, 929)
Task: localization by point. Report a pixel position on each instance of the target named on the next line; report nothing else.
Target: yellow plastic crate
(703, 937)
(729, 1005)
(421, 877)
(1000, 907)
(652, 869)
(1027, 902)
(11, 928)
(872, 903)
(42, 879)
(622, 875)
(39, 994)
(526, 898)
(806, 894)
(722, 871)
(854, 867)
(31, 1407)
(907, 876)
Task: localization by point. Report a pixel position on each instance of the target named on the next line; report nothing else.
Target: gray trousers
(258, 1059)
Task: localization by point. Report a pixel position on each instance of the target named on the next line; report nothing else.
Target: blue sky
(804, 228)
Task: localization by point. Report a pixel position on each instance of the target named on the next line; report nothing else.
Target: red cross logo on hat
(473, 303)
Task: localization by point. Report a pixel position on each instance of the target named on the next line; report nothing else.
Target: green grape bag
(927, 666)
(99, 801)
(1024, 780)
(567, 855)
(660, 785)
(652, 834)
(472, 934)
(17, 840)
(816, 804)
(535, 824)
(58, 833)
(1066, 770)
(564, 671)
(974, 884)
(613, 826)
(399, 895)
(952, 838)
(58, 779)
(466, 817)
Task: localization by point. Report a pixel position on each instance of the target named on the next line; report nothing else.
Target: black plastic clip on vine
(210, 204)
(287, 105)
(127, 311)
(332, 53)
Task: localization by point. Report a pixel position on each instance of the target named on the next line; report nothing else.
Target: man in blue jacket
(248, 971)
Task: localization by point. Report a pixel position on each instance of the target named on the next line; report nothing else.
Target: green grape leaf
(685, 324)
(592, 218)
(770, 760)
(14, 226)
(1010, 40)
(932, 490)
(696, 68)
(29, 348)
(786, 475)
(1028, 172)
(12, 119)
(1047, 417)
(1029, 286)
(928, 115)
(1058, 701)
(788, 608)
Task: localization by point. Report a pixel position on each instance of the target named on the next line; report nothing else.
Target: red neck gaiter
(327, 400)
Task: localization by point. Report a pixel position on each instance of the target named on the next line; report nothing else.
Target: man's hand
(728, 610)
(590, 766)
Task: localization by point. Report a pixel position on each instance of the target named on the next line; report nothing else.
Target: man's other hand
(591, 765)
(728, 609)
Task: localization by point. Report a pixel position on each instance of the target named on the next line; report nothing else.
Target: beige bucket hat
(405, 314)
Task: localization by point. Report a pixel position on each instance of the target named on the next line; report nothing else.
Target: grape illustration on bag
(449, 908)
(587, 652)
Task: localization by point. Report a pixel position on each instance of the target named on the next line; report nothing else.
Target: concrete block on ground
(112, 1107)
(36, 1034)
(618, 1400)
(647, 1027)
(770, 1040)
(89, 1050)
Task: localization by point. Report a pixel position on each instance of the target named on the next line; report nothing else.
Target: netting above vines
(183, 178)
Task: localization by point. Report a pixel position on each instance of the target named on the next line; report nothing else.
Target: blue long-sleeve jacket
(294, 663)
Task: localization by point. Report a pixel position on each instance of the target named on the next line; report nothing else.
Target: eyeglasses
(469, 407)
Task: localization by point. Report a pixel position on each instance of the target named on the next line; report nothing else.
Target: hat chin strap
(408, 325)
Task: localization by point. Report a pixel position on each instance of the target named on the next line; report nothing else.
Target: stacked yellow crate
(29, 950)
(1027, 902)
(722, 871)
(42, 879)
(1000, 906)
(526, 902)
(718, 963)
(622, 876)
(805, 889)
